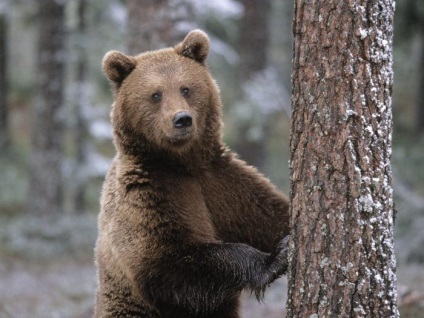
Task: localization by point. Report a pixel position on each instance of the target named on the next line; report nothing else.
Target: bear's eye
(156, 97)
(185, 91)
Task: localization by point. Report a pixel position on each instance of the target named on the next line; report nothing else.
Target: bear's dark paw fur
(276, 266)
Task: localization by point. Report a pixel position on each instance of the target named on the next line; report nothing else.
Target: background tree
(342, 259)
(45, 167)
(152, 24)
(148, 25)
(253, 47)
(81, 96)
(412, 25)
(4, 111)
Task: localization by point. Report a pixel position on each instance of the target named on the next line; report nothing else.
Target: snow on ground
(64, 288)
(61, 288)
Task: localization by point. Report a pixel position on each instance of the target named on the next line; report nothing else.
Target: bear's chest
(185, 198)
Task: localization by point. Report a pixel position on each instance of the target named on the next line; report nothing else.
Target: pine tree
(342, 261)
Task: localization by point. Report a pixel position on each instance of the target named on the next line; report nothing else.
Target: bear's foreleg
(200, 277)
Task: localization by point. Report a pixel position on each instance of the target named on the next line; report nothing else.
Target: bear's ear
(117, 66)
(195, 46)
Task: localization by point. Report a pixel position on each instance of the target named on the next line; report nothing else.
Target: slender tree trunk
(81, 131)
(45, 187)
(148, 25)
(4, 111)
(342, 261)
(254, 37)
(420, 98)
(253, 48)
(152, 24)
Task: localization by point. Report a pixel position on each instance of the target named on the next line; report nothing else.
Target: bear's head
(165, 100)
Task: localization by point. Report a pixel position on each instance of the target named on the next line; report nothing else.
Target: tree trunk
(148, 25)
(420, 98)
(342, 261)
(81, 131)
(151, 23)
(254, 37)
(45, 187)
(253, 48)
(4, 111)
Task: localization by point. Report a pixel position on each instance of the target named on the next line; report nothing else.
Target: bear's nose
(182, 120)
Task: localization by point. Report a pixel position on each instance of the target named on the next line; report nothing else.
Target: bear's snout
(182, 120)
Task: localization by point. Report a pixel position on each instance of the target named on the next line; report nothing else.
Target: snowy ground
(65, 289)
(272, 306)
(47, 271)
(58, 289)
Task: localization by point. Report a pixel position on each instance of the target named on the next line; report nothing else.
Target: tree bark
(342, 261)
(4, 111)
(45, 187)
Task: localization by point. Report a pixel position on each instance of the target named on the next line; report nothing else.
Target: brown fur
(184, 225)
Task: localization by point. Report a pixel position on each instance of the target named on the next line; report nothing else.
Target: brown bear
(184, 224)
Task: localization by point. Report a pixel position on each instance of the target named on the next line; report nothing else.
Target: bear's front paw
(276, 266)
(279, 258)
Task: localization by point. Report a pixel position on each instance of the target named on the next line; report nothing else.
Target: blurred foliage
(13, 183)
(106, 30)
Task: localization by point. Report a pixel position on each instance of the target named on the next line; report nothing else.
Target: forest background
(56, 142)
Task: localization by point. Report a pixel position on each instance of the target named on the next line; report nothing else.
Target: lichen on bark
(342, 262)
